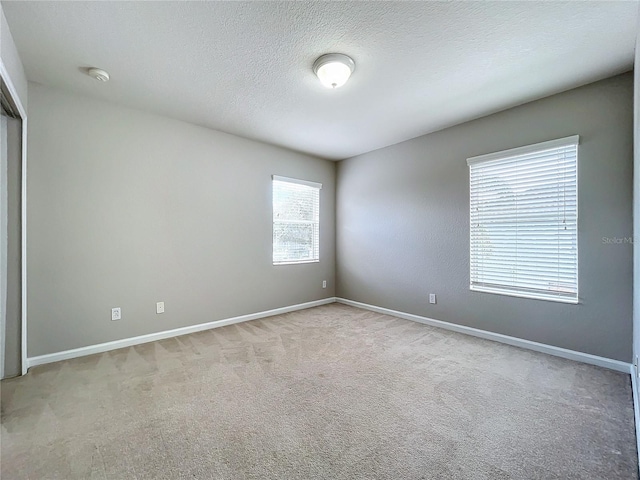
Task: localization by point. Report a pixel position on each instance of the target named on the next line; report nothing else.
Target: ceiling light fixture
(334, 69)
(98, 74)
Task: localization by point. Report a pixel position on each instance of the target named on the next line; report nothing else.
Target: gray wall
(126, 209)
(403, 222)
(13, 338)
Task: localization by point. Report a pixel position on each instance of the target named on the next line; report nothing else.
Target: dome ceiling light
(334, 69)
(98, 74)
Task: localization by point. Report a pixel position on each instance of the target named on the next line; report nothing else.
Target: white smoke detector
(98, 74)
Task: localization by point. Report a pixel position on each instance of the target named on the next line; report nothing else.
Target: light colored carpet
(332, 392)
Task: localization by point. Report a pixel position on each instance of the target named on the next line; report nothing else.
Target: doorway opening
(11, 233)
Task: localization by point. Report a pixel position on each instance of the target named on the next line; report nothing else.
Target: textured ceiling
(245, 67)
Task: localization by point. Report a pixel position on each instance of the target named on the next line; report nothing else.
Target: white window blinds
(296, 221)
(524, 217)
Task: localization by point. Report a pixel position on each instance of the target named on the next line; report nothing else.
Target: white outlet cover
(432, 298)
(160, 307)
(116, 313)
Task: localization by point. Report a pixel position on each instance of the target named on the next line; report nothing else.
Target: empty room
(319, 240)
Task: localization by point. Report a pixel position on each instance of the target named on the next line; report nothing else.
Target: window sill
(298, 262)
(532, 296)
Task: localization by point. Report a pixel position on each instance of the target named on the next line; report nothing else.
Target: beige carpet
(332, 392)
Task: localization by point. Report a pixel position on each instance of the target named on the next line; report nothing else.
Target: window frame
(316, 248)
(512, 291)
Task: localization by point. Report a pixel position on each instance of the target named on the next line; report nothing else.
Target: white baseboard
(497, 337)
(518, 342)
(152, 337)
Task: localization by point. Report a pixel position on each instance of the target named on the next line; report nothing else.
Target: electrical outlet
(432, 298)
(160, 307)
(324, 284)
(116, 313)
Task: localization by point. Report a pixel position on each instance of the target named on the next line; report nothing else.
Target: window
(524, 216)
(296, 221)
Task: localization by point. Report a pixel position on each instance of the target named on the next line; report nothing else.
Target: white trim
(23, 208)
(298, 181)
(4, 220)
(4, 73)
(295, 262)
(152, 337)
(475, 332)
(609, 363)
(560, 142)
(533, 296)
